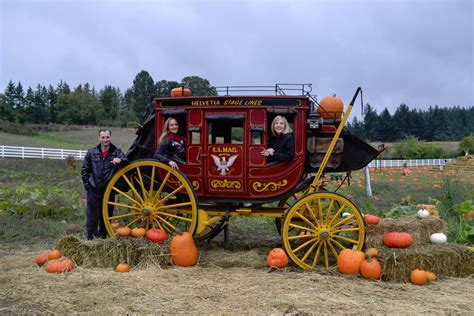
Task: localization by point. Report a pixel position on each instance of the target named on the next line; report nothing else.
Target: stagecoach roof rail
(279, 89)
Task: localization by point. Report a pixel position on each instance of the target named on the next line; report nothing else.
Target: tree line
(434, 124)
(84, 105)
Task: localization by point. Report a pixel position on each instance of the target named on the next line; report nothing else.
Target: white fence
(54, 153)
(409, 163)
(43, 153)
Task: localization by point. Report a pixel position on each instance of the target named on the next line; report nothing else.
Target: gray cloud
(416, 52)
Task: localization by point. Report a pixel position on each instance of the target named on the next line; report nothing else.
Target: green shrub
(411, 148)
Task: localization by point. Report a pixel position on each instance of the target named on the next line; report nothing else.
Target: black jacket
(97, 172)
(284, 146)
(171, 150)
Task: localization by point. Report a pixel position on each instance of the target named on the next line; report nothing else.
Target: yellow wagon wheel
(317, 227)
(150, 194)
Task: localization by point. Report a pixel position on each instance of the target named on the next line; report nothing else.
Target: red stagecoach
(225, 175)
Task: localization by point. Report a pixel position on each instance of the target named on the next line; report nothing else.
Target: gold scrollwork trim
(270, 186)
(196, 185)
(226, 184)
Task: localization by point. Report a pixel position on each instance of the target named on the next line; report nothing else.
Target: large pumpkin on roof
(180, 92)
(331, 107)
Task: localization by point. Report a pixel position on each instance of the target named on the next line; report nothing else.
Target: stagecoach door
(224, 154)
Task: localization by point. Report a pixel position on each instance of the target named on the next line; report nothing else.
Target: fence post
(367, 182)
(3, 151)
(22, 152)
(42, 152)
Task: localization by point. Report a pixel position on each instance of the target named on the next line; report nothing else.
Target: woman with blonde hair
(171, 145)
(281, 144)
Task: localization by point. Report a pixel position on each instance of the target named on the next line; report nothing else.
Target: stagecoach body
(225, 135)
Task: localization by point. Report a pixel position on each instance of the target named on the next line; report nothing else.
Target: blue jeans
(94, 218)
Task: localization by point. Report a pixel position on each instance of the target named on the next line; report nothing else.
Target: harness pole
(314, 187)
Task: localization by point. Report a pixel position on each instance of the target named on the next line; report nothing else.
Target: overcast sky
(417, 52)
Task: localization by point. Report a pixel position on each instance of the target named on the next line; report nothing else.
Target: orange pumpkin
(138, 232)
(277, 258)
(397, 240)
(372, 252)
(59, 265)
(122, 267)
(183, 250)
(65, 265)
(124, 231)
(371, 219)
(331, 107)
(52, 266)
(430, 276)
(42, 257)
(157, 235)
(54, 254)
(371, 269)
(349, 261)
(418, 277)
(180, 92)
(114, 225)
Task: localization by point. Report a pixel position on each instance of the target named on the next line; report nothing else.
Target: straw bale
(420, 229)
(445, 260)
(107, 253)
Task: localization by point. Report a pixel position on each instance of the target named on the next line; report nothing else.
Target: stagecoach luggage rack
(278, 89)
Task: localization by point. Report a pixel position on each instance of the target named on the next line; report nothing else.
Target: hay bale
(420, 229)
(445, 260)
(107, 253)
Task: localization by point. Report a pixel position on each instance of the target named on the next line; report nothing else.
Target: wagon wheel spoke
(314, 226)
(333, 250)
(124, 205)
(132, 187)
(316, 256)
(346, 239)
(125, 195)
(124, 216)
(151, 195)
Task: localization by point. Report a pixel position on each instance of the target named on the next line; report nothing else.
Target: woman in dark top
(171, 145)
(281, 145)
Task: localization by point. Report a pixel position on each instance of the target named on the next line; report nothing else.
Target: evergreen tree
(385, 127)
(29, 115)
(52, 104)
(79, 107)
(198, 86)
(19, 102)
(109, 98)
(7, 110)
(371, 123)
(164, 87)
(401, 122)
(142, 92)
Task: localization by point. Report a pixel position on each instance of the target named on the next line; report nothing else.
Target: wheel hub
(324, 234)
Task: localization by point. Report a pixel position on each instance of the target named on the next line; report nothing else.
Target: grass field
(76, 138)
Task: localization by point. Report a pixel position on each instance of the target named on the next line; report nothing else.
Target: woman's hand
(173, 165)
(268, 152)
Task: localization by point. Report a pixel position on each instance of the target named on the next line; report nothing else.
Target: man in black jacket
(99, 166)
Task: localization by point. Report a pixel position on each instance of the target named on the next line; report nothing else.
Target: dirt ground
(215, 288)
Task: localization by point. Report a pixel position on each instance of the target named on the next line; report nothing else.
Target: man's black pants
(95, 222)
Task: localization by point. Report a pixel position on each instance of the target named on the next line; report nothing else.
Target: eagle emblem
(222, 164)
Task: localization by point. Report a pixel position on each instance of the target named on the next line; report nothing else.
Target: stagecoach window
(195, 133)
(226, 131)
(257, 134)
(195, 137)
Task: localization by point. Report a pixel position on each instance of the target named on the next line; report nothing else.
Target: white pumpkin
(423, 213)
(438, 238)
